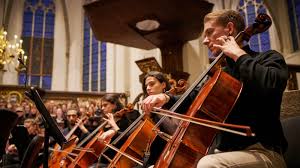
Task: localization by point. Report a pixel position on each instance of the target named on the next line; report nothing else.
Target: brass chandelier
(11, 50)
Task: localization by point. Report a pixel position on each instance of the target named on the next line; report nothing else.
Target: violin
(119, 114)
(178, 87)
(190, 142)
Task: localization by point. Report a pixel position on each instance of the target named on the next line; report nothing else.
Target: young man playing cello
(264, 77)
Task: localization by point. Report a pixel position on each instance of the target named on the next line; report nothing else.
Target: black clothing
(264, 77)
(21, 139)
(123, 124)
(77, 132)
(127, 120)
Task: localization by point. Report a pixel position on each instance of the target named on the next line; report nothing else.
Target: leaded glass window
(294, 15)
(94, 62)
(37, 35)
(250, 9)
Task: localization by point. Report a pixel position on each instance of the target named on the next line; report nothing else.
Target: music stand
(51, 128)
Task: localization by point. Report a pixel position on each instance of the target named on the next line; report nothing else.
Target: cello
(86, 158)
(59, 155)
(191, 142)
(136, 146)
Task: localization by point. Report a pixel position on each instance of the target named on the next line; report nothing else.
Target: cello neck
(91, 135)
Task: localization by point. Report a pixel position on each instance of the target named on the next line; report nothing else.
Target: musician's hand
(12, 149)
(111, 121)
(107, 135)
(81, 125)
(229, 46)
(151, 101)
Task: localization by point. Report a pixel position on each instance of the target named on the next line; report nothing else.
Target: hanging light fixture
(10, 50)
(147, 25)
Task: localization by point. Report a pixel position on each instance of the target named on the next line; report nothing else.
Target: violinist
(264, 76)
(117, 122)
(72, 120)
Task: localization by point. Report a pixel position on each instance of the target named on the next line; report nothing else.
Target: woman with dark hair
(110, 105)
(154, 83)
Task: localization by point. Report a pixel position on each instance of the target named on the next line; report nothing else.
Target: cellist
(264, 77)
(147, 149)
(154, 83)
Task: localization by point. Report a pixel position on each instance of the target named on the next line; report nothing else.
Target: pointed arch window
(294, 16)
(94, 61)
(249, 9)
(37, 35)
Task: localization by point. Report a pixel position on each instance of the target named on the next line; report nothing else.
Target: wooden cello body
(90, 153)
(190, 142)
(60, 157)
(135, 146)
(94, 148)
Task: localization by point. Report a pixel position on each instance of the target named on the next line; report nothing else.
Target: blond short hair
(223, 17)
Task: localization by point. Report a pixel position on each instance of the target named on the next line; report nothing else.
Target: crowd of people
(66, 115)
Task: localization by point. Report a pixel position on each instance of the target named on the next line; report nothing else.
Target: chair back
(291, 127)
(32, 153)
(8, 119)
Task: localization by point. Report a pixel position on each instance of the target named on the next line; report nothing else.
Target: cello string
(106, 157)
(132, 126)
(92, 134)
(199, 80)
(128, 129)
(62, 151)
(125, 154)
(143, 126)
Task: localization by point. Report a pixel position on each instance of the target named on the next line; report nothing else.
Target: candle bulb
(22, 54)
(25, 59)
(16, 38)
(4, 33)
(21, 41)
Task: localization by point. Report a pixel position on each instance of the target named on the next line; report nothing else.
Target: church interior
(75, 52)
